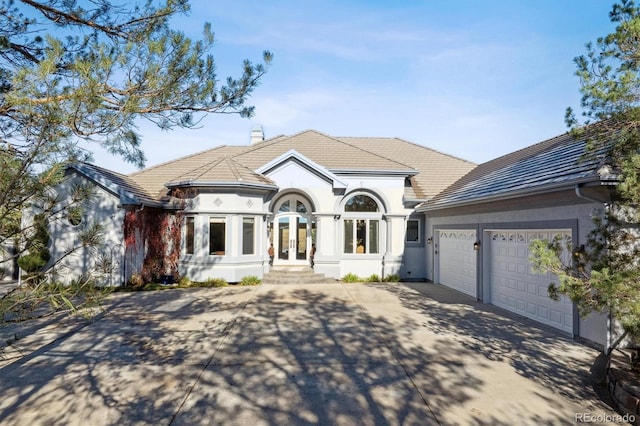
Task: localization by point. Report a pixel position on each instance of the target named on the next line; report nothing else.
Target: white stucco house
(368, 205)
(353, 198)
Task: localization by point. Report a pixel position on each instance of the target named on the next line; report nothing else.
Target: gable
(295, 167)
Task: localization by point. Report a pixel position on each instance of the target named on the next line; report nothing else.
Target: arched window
(361, 203)
(361, 235)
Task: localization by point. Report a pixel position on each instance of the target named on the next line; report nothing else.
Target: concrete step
(295, 275)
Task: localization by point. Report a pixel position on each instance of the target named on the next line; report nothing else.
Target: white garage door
(457, 260)
(514, 285)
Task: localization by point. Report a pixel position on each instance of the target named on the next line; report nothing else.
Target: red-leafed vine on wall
(158, 232)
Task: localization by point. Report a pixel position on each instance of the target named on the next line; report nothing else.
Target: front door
(292, 239)
(292, 231)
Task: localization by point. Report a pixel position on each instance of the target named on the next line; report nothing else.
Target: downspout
(610, 323)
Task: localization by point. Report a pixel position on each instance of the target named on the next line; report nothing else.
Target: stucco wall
(232, 207)
(77, 260)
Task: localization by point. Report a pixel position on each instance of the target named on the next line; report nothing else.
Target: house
(479, 228)
(364, 205)
(351, 198)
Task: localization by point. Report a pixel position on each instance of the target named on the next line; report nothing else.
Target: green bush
(374, 278)
(212, 282)
(250, 280)
(350, 278)
(184, 282)
(393, 278)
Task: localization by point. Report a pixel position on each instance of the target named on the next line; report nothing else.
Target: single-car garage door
(516, 287)
(457, 260)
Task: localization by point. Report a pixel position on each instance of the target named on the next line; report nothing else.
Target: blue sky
(472, 78)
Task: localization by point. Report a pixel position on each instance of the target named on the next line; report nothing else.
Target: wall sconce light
(429, 240)
(578, 251)
(336, 217)
(476, 245)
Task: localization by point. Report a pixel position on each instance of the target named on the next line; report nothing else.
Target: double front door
(292, 239)
(292, 231)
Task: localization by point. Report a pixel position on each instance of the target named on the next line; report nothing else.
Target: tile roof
(330, 152)
(221, 171)
(430, 171)
(153, 179)
(123, 186)
(437, 170)
(556, 162)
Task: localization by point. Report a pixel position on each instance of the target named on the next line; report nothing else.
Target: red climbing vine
(158, 233)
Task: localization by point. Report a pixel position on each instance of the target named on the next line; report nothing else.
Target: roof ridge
(340, 141)
(204, 167)
(183, 158)
(410, 143)
(233, 167)
(272, 141)
(378, 155)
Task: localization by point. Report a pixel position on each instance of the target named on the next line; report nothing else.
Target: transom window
(361, 203)
(291, 204)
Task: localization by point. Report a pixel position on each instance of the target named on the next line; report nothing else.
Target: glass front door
(292, 239)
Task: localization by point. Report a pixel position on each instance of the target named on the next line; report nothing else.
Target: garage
(457, 260)
(515, 287)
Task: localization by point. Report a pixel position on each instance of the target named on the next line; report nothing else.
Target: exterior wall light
(429, 240)
(476, 245)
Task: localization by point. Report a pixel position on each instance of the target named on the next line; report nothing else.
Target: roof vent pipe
(257, 135)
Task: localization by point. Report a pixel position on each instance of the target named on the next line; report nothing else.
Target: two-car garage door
(510, 282)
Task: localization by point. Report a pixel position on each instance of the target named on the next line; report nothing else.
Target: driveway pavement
(343, 354)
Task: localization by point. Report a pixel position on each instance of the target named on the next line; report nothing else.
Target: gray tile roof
(554, 163)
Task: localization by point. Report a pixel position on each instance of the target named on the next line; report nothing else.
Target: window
(74, 216)
(284, 207)
(361, 235)
(301, 208)
(217, 236)
(348, 236)
(361, 238)
(190, 235)
(248, 226)
(413, 231)
(373, 236)
(361, 203)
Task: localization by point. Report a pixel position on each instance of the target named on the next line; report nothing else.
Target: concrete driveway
(335, 354)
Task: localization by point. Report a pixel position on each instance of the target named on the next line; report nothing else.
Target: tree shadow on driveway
(271, 355)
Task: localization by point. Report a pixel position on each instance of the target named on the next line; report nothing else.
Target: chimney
(257, 135)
